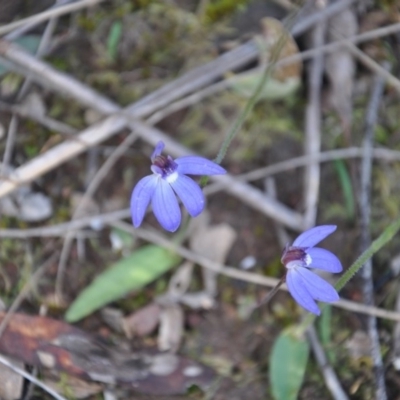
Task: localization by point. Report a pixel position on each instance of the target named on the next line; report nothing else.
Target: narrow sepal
(324, 259)
(317, 287)
(157, 150)
(166, 207)
(314, 235)
(190, 194)
(141, 196)
(299, 291)
(194, 165)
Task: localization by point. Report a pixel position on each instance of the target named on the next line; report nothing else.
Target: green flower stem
(375, 246)
(276, 49)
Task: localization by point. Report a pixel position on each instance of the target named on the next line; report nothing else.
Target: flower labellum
(168, 181)
(304, 285)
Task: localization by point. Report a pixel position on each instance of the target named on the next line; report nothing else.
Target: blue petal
(158, 150)
(318, 288)
(194, 165)
(314, 235)
(324, 259)
(299, 291)
(166, 207)
(140, 199)
(190, 194)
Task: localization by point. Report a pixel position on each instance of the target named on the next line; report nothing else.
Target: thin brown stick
(48, 14)
(31, 378)
(47, 122)
(331, 380)
(365, 211)
(62, 229)
(312, 144)
(297, 162)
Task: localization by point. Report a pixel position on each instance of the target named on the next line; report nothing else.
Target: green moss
(219, 9)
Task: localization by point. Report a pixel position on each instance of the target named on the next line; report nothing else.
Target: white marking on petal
(172, 178)
(307, 259)
(294, 264)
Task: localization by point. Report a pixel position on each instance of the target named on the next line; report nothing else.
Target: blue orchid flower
(304, 285)
(168, 181)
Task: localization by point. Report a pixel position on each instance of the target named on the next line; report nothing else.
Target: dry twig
(331, 380)
(48, 14)
(313, 128)
(31, 378)
(365, 207)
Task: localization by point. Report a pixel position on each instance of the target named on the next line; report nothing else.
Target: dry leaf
(11, 383)
(214, 243)
(171, 328)
(34, 104)
(359, 345)
(48, 343)
(180, 281)
(27, 205)
(396, 337)
(143, 321)
(340, 66)
(198, 300)
(113, 317)
(284, 80)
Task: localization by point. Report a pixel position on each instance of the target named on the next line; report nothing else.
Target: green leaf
(287, 364)
(131, 273)
(29, 43)
(113, 40)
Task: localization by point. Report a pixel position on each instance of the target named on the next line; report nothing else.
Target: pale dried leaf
(198, 224)
(285, 79)
(198, 300)
(171, 328)
(113, 317)
(340, 65)
(164, 364)
(359, 345)
(395, 265)
(27, 205)
(11, 383)
(396, 337)
(180, 281)
(142, 322)
(214, 243)
(34, 104)
(109, 395)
